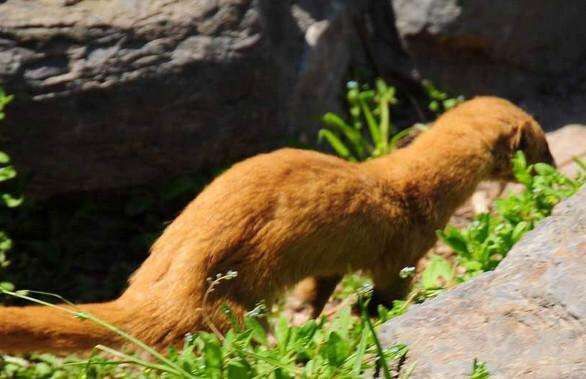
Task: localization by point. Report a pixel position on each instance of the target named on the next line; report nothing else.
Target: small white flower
(258, 311)
(407, 272)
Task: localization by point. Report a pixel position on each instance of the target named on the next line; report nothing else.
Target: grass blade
(336, 144)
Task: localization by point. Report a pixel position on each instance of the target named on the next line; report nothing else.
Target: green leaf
(385, 125)
(4, 100)
(282, 333)
(5, 286)
(5, 242)
(212, 353)
(521, 171)
(434, 106)
(281, 374)
(336, 349)
(479, 370)
(336, 144)
(358, 142)
(360, 352)
(437, 274)
(7, 173)
(385, 96)
(399, 136)
(373, 126)
(399, 307)
(343, 321)
(545, 169)
(480, 228)
(454, 238)
(11, 201)
(4, 158)
(519, 230)
(259, 333)
(307, 330)
(381, 86)
(334, 120)
(237, 370)
(451, 103)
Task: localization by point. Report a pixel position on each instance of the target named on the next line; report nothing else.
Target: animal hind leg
(316, 291)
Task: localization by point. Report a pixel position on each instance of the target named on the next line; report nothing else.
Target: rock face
(566, 144)
(527, 319)
(118, 92)
(114, 93)
(530, 51)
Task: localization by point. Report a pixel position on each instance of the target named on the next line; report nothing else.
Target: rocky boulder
(567, 144)
(119, 92)
(530, 51)
(527, 319)
(115, 93)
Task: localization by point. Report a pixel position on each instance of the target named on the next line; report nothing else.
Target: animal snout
(548, 158)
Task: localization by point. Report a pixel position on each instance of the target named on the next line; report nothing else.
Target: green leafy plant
(479, 370)
(486, 241)
(4, 101)
(370, 132)
(482, 245)
(439, 101)
(438, 274)
(343, 347)
(7, 200)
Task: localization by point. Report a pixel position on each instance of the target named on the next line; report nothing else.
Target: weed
(7, 199)
(351, 140)
(479, 370)
(487, 240)
(344, 347)
(439, 101)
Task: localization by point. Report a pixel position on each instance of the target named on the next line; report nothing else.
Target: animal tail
(46, 329)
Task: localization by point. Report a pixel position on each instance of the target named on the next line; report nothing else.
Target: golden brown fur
(281, 217)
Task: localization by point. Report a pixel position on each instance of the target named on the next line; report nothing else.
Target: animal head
(503, 126)
(530, 139)
(520, 132)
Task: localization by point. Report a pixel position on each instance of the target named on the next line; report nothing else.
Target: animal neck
(438, 172)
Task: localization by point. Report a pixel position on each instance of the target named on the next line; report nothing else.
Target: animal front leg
(316, 291)
(387, 287)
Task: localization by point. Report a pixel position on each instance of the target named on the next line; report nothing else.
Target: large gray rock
(527, 319)
(530, 51)
(118, 92)
(114, 93)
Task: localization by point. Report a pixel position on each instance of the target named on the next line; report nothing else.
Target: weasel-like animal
(291, 214)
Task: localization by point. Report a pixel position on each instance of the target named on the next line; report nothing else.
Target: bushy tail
(46, 329)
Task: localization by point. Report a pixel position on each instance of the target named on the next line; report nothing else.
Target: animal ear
(519, 140)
